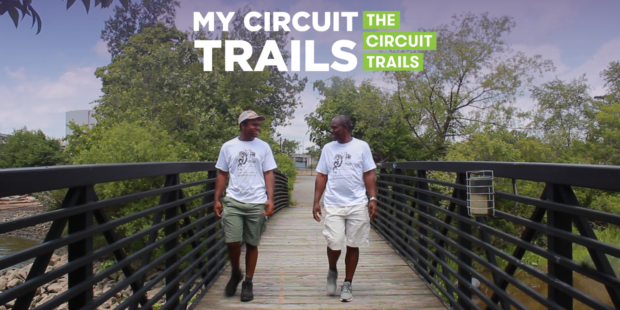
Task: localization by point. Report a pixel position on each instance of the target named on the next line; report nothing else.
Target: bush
(287, 166)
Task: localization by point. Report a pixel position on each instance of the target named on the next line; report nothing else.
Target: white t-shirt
(345, 164)
(246, 162)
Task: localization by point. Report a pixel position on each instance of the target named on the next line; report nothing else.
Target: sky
(43, 76)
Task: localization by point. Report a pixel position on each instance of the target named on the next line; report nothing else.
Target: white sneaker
(332, 277)
(346, 292)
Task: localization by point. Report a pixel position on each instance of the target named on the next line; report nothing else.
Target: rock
(2, 308)
(3, 282)
(152, 293)
(55, 288)
(13, 283)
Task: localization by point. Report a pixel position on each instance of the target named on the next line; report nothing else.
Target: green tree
(15, 7)
(282, 101)
(134, 18)
(375, 118)
(158, 78)
(563, 112)
(126, 142)
(474, 70)
(290, 147)
(30, 148)
(611, 76)
(314, 151)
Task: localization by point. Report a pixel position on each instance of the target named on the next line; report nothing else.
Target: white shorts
(346, 226)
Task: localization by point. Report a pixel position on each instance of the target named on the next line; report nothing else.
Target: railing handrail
(591, 176)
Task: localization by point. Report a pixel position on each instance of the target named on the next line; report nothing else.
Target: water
(11, 244)
(580, 282)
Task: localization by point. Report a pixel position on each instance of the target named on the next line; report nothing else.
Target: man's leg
(357, 229)
(334, 232)
(234, 254)
(351, 259)
(233, 227)
(255, 224)
(251, 257)
(332, 257)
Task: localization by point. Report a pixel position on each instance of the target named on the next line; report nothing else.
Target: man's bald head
(344, 121)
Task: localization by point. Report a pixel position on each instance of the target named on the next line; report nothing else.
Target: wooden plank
(292, 269)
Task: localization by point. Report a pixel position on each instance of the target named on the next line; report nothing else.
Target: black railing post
(211, 221)
(171, 246)
(422, 219)
(464, 243)
(560, 246)
(80, 248)
(381, 194)
(400, 199)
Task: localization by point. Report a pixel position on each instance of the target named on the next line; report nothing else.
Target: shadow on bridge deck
(292, 269)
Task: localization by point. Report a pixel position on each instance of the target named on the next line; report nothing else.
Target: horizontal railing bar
(178, 278)
(18, 257)
(490, 284)
(59, 299)
(447, 282)
(589, 176)
(517, 283)
(586, 271)
(424, 180)
(428, 192)
(161, 277)
(578, 239)
(58, 272)
(212, 273)
(511, 259)
(570, 209)
(20, 181)
(92, 206)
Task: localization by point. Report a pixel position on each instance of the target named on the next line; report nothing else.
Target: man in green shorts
(249, 197)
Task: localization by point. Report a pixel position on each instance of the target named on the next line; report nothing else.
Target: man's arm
(270, 184)
(371, 189)
(220, 184)
(319, 188)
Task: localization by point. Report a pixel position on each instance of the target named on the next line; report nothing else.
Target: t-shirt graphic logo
(339, 159)
(243, 158)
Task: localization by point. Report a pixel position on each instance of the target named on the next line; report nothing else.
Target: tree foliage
(15, 7)
(30, 148)
(284, 98)
(158, 79)
(135, 18)
(473, 71)
(374, 117)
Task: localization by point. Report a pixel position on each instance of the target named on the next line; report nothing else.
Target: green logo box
(381, 19)
(400, 41)
(393, 61)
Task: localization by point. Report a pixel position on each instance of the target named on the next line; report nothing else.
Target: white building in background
(80, 117)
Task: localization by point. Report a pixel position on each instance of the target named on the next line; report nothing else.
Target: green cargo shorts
(243, 221)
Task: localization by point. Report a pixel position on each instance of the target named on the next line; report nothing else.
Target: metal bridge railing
(184, 230)
(431, 228)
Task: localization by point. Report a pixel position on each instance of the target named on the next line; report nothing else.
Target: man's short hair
(344, 121)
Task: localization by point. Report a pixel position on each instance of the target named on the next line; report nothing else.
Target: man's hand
(268, 208)
(372, 209)
(217, 207)
(316, 212)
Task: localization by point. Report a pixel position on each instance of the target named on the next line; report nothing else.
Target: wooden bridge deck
(292, 269)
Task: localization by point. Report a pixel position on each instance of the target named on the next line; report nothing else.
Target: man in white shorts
(346, 173)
